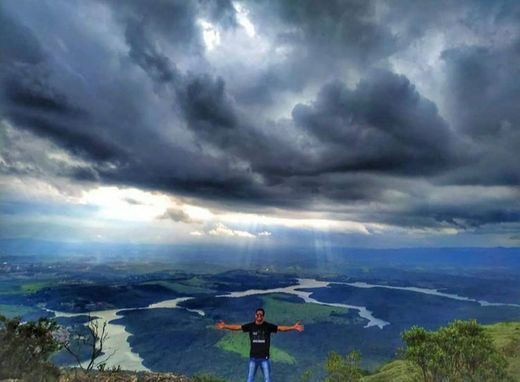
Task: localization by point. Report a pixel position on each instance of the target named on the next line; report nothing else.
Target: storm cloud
(382, 125)
(366, 111)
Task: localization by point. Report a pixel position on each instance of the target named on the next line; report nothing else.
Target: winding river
(117, 345)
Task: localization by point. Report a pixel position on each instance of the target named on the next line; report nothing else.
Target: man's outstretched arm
(298, 327)
(223, 325)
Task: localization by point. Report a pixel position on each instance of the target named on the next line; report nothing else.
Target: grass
(184, 287)
(193, 285)
(503, 332)
(239, 343)
(282, 312)
(402, 371)
(196, 282)
(34, 286)
(506, 336)
(20, 286)
(142, 267)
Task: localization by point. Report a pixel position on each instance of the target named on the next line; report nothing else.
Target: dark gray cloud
(178, 215)
(174, 20)
(337, 29)
(483, 90)
(382, 125)
(142, 51)
(206, 106)
(485, 87)
(324, 39)
(468, 215)
(268, 83)
(143, 103)
(211, 114)
(31, 102)
(17, 43)
(122, 147)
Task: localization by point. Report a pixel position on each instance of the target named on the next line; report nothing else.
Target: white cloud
(197, 213)
(129, 204)
(210, 34)
(265, 233)
(221, 230)
(243, 19)
(300, 221)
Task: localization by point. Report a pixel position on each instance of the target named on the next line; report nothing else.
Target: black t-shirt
(260, 337)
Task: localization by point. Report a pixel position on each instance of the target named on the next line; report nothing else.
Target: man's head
(259, 315)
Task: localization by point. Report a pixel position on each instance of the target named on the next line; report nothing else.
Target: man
(260, 338)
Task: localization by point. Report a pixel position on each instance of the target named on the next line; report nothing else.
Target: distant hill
(279, 259)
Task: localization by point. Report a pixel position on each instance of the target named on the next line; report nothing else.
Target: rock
(72, 375)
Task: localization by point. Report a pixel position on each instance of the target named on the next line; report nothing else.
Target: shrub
(343, 369)
(460, 351)
(25, 348)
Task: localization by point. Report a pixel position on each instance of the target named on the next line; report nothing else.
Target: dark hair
(260, 310)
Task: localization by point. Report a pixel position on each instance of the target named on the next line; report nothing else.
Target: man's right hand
(299, 327)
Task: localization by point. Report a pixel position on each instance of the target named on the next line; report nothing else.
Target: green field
(24, 286)
(280, 311)
(191, 286)
(142, 267)
(239, 343)
(35, 286)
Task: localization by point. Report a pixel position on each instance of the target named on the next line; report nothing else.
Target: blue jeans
(254, 363)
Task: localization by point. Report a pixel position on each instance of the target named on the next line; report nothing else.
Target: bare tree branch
(95, 339)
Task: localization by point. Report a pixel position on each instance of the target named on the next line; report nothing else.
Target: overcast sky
(266, 122)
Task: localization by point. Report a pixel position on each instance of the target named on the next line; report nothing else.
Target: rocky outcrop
(120, 376)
